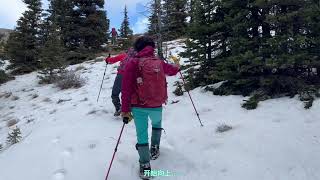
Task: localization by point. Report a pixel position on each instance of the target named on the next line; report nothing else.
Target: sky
(11, 10)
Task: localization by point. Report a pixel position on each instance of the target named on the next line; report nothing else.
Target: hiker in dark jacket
(144, 90)
(114, 35)
(116, 89)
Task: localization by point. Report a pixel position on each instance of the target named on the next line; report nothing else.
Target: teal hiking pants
(141, 117)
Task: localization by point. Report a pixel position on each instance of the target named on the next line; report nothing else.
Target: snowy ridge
(75, 139)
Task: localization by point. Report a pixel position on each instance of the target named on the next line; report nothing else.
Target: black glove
(126, 120)
(106, 59)
(127, 117)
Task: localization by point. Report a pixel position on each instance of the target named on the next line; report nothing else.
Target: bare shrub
(179, 90)
(223, 128)
(69, 79)
(4, 77)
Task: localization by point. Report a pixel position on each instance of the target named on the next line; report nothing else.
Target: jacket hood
(146, 52)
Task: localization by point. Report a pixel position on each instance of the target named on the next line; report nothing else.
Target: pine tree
(207, 28)
(14, 137)
(174, 20)
(155, 25)
(1, 147)
(153, 20)
(52, 56)
(2, 48)
(125, 31)
(87, 29)
(261, 48)
(23, 43)
(61, 12)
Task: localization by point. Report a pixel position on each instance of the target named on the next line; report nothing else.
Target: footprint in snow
(204, 110)
(59, 174)
(56, 140)
(68, 152)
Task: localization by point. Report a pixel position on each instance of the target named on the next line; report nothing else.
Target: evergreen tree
(174, 20)
(153, 20)
(52, 56)
(207, 40)
(14, 137)
(1, 147)
(23, 43)
(61, 12)
(260, 48)
(155, 25)
(87, 30)
(125, 31)
(2, 48)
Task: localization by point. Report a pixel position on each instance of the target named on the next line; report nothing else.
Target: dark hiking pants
(116, 90)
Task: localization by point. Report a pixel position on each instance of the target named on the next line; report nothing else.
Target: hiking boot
(154, 152)
(117, 113)
(145, 171)
(155, 143)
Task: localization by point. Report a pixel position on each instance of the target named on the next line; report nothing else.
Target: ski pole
(195, 109)
(115, 150)
(102, 80)
(184, 84)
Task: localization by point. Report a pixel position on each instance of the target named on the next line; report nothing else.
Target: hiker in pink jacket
(116, 88)
(144, 90)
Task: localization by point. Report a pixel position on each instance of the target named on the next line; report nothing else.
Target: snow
(4, 64)
(74, 140)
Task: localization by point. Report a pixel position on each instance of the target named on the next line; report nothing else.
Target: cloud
(136, 11)
(10, 12)
(141, 25)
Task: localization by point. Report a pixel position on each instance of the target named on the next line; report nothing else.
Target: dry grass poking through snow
(70, 79)
(223, 128)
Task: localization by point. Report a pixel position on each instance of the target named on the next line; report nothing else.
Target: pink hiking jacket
(130, 75)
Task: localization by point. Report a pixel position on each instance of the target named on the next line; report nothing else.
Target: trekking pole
(184, 84)
(115, 150)
(195, 109)
(102, 80)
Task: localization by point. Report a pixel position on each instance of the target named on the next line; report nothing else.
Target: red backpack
(151, 83)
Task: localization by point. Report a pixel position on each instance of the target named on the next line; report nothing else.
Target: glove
(176, 60)
(127, 117)
(106, 59)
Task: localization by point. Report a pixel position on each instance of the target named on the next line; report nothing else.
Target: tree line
(258, 48)
(68, 32)
(71, 30)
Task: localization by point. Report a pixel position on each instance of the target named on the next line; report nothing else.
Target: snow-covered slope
(75, 139)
